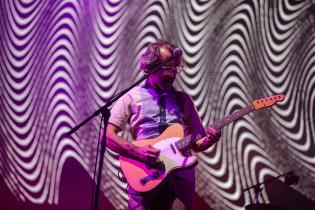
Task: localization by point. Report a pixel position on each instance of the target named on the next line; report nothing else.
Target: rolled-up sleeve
(121, 112)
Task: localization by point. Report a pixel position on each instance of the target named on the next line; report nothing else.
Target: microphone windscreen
(177, 53)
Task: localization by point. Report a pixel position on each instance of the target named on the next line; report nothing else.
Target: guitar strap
(180, 103)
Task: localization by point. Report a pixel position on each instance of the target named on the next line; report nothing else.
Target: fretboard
(190, 140)
(232, 117)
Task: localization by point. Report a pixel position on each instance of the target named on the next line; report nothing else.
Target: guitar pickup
(173, 148)
(157, 165)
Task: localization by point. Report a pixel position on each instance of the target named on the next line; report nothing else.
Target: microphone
(176, 53)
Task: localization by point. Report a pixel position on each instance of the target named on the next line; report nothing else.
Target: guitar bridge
(152, 176)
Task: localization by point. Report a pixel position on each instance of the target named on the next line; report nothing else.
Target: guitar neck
(190, 140)
(232, 117)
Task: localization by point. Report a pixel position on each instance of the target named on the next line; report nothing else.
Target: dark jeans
(162, 198)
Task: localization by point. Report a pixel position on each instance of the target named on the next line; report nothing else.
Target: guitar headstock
(268, 101)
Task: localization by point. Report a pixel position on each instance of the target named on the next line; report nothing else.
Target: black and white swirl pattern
(61, 60)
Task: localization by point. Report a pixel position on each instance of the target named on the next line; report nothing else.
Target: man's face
(164, 78)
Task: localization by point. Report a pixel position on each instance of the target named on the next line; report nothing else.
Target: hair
(152, 57)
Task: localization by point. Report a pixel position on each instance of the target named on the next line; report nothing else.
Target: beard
(167, 82)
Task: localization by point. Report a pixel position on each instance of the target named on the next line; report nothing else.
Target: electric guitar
(142, 177)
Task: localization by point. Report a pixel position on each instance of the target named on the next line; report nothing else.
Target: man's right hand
(147, 154)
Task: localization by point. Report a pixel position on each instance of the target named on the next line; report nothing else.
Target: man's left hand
(214, 135)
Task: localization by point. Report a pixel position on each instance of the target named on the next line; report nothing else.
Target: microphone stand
(106, 114)
(290, 178)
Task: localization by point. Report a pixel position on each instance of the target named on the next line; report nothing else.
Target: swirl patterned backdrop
(61, 60)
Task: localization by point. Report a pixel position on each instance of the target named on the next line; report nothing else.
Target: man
(150, 109)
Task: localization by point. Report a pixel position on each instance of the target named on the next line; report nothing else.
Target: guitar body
(142, 177)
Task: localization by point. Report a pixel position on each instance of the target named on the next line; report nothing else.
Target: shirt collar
(147, 85)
